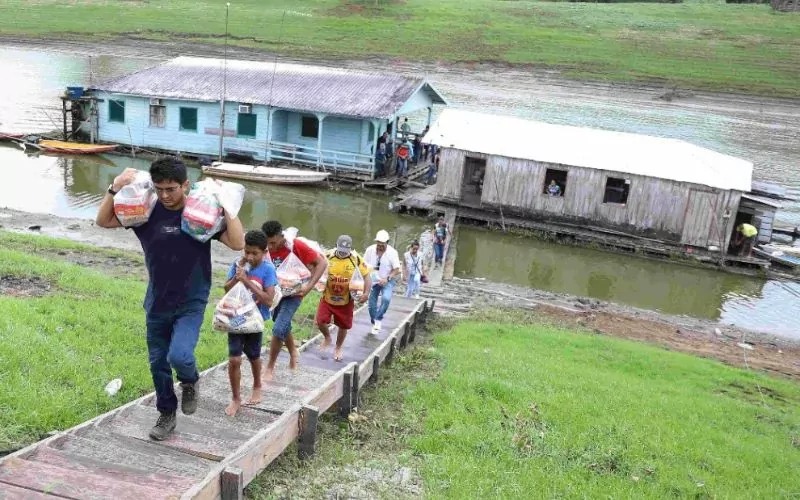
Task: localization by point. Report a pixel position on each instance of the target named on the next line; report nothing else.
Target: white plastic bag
(357, 284)
(237, 312)
(320, 285)
(134, 203)
(292, 274)
(203, 212)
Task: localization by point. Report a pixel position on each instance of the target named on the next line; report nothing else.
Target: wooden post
(392, 347)
(309, 415)
(414, 327)
(232, 484)
(345, 404)
(376, 363)
(64, 116)
(404, 337)
(354, 393)
(433, 304)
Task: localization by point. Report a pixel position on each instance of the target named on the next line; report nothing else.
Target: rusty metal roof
(287, 86)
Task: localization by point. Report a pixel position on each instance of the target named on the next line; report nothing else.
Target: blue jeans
(402, 167)
(282, 316)
(171, 339)
(385, 293)
(413, 286)
(438, 251)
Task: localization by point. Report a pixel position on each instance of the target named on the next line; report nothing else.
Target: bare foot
(293, 357)
(326, 342)
(255, 397)
(268, 375)
(337, 355)
(232, 408)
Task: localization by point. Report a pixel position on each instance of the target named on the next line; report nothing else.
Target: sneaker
(164, 426)
(376, 327)
(416, 296)
(189, 397)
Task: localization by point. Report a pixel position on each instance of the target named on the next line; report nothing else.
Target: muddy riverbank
(730, 344)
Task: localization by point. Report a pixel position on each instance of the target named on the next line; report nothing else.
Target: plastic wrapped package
(237, 312)
(356, 285)
(134, 203)
(203, 212)
(292, 275)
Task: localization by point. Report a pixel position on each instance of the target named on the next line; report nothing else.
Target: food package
(237, 312)
(134, 203)
(203, 212)
(292, 274)
(356, 285)
(320, 285)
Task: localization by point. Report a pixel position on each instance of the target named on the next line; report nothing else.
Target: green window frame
(188, 119)
(246, 125)
(116, 110)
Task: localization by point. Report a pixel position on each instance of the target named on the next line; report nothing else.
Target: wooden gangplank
(210, 455)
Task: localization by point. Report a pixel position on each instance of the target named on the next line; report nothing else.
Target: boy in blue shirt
(258, 276)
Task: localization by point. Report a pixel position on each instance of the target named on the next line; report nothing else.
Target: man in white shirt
(385, 262)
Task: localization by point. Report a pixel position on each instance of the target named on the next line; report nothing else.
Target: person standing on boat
(179, 271)
(385, 262)
(745, 238)
(440, 235)
(283, 313)
(414, 270)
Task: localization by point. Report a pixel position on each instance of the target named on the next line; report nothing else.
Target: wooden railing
(326, 158)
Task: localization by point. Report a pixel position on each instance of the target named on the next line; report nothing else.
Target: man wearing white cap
(385, 262)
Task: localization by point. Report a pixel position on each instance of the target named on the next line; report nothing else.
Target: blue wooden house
(310, 115)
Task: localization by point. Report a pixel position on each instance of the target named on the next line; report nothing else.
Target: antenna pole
(224, 84)
(267, 142)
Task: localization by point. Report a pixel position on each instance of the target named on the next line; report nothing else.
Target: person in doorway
(440, 235)
(385, 262)
(417, 149)
(553, 189)
(404, 152)
(414, 270)
(745, 239)
(282, 315)
(257, 274)
(405, 128)
(336, 303)
(179, 271)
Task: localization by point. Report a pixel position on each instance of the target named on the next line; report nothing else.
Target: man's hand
(383, 281)
(241, 274)
(305, 289)
(126, 177)
(362, 298)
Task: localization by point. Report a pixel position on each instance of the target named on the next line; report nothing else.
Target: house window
(158, 116)
(188, 119)
(309, 127)
(555, 182)
(247, 125)
(116, 111)
(617, 190)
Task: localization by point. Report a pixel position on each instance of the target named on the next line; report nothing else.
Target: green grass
(58, 351)
(533, 411)
(710, 45)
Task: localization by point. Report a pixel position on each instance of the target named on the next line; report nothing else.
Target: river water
(73, 187)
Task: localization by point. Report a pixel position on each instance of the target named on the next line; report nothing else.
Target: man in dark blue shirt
(179, 268)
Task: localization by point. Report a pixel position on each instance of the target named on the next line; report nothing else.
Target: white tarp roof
(637, 154)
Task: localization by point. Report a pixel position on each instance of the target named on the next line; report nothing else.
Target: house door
(698, 223)
(472, 180)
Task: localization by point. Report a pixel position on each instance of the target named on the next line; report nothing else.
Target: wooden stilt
(232, 484)
(309, 415)
(376, 363)
(345, 405)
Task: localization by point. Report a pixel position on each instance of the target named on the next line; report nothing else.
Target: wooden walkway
(210, 455)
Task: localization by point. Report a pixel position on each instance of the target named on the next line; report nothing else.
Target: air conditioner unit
(245, 108)
(155, 102)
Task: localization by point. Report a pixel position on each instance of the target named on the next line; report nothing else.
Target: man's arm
(105, 214)
(262, 296)
(319, 265)
(233, 237)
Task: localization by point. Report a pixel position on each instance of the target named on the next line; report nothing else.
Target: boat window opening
(309, 127)
(617, 190)
(246, 126)
(116, 111)
(188, 119)
(158, 116)
(560, 178)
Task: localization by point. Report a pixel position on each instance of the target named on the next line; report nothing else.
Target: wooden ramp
(210, 455)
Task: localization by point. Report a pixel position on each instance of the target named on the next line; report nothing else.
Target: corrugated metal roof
(671, 159)
(763, 200)
(296, 87)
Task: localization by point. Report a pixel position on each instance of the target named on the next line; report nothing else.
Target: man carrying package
(179, 268)
(347, 275)
(386, 264)
(281, 250)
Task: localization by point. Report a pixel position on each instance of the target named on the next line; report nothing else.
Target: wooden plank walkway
(210, 455)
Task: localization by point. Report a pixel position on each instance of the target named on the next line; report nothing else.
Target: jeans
(402, 167)
(171, 339)
(385, 292)
(438, 252)
(283, 314)
(413, 285)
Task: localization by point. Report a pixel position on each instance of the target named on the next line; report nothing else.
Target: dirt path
(705, 338)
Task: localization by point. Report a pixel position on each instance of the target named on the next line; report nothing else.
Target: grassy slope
(522, 409)
(710, 45)
(57, 352)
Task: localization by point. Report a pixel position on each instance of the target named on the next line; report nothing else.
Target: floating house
(664, 189)
(309, 115)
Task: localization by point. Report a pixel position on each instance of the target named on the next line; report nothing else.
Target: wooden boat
(267, 175)
(779, 254)
(5, 136)
(64, 147)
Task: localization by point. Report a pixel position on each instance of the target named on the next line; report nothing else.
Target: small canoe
(266, 175)
(4, 136)
(778, 255)
(74, 147)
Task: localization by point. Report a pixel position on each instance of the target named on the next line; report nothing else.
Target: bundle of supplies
(356, 284)
(134, 203)
(237, 312)
(292, 275)
(203, 215)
